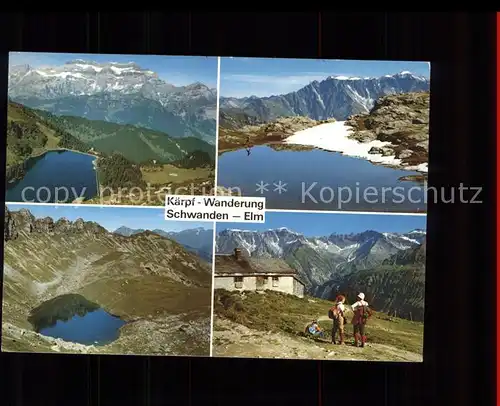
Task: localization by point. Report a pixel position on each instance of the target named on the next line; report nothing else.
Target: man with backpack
(361, 314)
(337, 314)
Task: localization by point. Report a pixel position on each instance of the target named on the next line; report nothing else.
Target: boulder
(406, 153)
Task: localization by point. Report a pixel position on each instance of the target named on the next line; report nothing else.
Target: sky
(112, 217)
(244, 77)
(321, 224)
(177, 70)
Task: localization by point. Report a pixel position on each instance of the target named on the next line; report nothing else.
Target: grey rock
(405, 154)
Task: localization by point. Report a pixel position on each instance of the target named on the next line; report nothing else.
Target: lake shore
(335, 137)
(304, 134)
(273, 134)
(65, 176)
(38, 154)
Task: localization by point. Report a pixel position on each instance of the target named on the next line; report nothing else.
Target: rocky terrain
(388, 267)
(197, 240)
(123, 93)
(271, 133)
(335, 97)
(402, 120)
(254, 325)
(153, 283)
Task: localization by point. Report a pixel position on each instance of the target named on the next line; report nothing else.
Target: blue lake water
(72, 317)
(314, 181)
(55, 176)
(94, 328)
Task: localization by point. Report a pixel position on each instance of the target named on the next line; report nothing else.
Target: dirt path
(235, 340)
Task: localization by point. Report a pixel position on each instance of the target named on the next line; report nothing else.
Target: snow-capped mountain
(335, 97)
(319, 259)
(124, 93)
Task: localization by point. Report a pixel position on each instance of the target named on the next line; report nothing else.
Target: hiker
(361, 314)
(314, 329)
(337, 314)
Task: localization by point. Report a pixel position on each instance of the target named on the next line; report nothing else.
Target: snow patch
(341, 77)
(61, 74)
(334, 137)
(85, 66)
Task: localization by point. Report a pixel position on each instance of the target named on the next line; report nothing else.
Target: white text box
(216, 208)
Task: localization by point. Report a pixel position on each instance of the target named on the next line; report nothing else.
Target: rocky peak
(10, 226)
(22, 222)
(44, 225)
(79, 224)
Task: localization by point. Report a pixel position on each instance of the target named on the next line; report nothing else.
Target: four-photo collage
(95, 145)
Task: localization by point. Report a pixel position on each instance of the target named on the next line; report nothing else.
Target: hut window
(276, 281)
(238, 282)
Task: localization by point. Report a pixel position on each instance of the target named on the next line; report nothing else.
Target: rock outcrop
(400, 119)
(22, 223)
(264, 133)
(10, 231)
(285, 126)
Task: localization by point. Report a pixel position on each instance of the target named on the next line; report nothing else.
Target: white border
(101, 206)
(131, 206)
(214, 237)
(380, 213)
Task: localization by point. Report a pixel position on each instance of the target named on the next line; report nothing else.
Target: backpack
(334, 312)
(362, 313)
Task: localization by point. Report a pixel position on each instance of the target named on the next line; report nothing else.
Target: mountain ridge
(334, 97)
(338, 261)
(124, 93)
(198, 240)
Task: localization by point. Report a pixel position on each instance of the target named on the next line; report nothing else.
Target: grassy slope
(135, 143)
(19, 114)
(138, 145)
(289, 314)
(118, 273)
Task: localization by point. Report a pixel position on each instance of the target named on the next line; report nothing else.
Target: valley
(121, 158)
(388, 267)
(155, 286)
